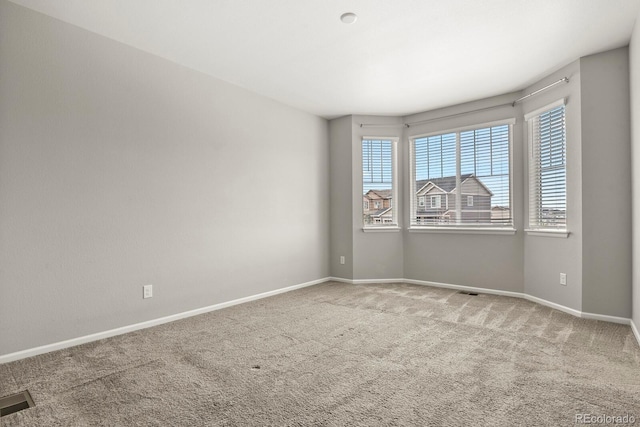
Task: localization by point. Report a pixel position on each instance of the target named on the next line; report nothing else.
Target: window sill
(382, 229)
(463, 230)
(561, 234)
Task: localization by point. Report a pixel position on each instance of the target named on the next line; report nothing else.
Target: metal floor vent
(15, 402)
(473, 294)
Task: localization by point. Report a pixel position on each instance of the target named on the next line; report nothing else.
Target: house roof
(383, 194)
(447, 183)
(379, 212)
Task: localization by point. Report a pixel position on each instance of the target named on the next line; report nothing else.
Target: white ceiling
(400, 57)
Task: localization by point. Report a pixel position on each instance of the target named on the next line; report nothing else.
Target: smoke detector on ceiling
(349, 17)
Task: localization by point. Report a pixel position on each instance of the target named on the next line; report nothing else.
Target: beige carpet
(338, 355)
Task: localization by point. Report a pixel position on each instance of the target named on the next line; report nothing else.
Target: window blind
(548, 169)
(378, 186)
(468, 171)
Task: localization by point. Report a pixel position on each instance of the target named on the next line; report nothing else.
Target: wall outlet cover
(147, 291)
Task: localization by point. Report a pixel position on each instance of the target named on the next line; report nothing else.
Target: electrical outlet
(563, 279)
(342, 259)
(147, 291)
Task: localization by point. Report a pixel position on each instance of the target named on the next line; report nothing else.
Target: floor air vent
(15, 402)
(473, 294)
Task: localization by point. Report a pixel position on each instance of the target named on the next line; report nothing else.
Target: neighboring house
(376, 207)
(436, 200)
(500, 214)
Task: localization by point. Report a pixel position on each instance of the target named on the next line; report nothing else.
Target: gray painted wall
(340, 134)
(478, 260)
(546, 257)
(606, 183)
(634, 71)
(119, 169)
(597, 262)
(376, 255)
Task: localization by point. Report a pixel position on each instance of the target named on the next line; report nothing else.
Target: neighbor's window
(379, 182)
(547, 168)
(466, 175)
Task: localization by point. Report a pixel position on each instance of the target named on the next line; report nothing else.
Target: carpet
(335, 355)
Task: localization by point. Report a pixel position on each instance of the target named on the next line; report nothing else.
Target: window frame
(414, 226)
(382, 225)
(536, 229)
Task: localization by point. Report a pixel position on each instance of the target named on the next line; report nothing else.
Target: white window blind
(547, 169)
(378, 182)
(469, 171)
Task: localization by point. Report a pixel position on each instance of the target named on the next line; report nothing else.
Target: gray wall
(606, 183)
(634, 67)
(546, 257)
(478, 260)
(596, 255)
(376, 255)
(119, 169)
(341, 197)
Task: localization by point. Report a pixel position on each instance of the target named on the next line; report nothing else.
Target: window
(379, 181)
(547, 168)
(469, 169)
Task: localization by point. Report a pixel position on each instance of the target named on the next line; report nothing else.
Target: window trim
(382, 229)
(533, 230)
(465, 228)
(395, 225)
(507, 121)
(561, 234)
(559, 103)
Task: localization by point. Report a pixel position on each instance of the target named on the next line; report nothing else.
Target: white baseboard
(368, 282)
(365, 281)
(142, 325)
(607, 318)
(553, 305)
(565, 309)
(154, 322)
(634, 328)
(341, 280)
(464, 288)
